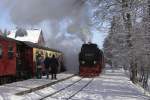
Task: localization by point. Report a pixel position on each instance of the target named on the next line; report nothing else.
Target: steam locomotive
(91, 60)
(18, 59)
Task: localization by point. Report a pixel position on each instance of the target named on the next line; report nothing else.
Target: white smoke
(66, 23)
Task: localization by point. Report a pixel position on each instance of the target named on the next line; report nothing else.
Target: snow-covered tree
(5, 33)
(127, 44)
(145, 41)
(115, 44)
(1, 33)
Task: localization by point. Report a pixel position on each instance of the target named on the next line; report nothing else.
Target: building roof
(9, 39)
(30, 44)
(40, 47)
(32, 35)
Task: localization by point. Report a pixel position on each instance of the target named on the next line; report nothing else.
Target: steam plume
(65, 22)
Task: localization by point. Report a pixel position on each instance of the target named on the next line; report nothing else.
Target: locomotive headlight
(94, 62)
(82, 62)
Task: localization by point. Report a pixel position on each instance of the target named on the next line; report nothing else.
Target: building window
(1, 51)
(10, 52)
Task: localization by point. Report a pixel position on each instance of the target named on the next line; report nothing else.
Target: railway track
(70, 90)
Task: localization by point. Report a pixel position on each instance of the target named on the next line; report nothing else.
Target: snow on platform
(111, 85)
(8, 91)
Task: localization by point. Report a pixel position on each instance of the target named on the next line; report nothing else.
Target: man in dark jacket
(47, 65)
(54, 67)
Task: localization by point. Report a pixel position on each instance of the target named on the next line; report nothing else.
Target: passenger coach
(18, 59)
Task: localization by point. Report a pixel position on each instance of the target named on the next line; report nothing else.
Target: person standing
(39, 66)
(47, 65)
(54, 67)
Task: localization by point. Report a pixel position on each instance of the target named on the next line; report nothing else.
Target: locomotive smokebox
(90, 60)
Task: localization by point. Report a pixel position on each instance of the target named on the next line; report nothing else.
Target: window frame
(10, 51)
(1, 51)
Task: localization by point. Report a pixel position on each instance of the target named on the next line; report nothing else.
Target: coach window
(1, 51)
(10, 52)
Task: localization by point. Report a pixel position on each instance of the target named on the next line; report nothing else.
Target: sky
(4, 20)
(7, 23)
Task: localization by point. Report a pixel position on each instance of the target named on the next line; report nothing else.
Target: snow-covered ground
(8, 91)
(111, 85)
(139, 85)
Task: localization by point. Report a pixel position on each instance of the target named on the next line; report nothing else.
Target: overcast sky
(7, 23)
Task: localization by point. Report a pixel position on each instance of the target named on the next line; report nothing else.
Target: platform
(8, 91)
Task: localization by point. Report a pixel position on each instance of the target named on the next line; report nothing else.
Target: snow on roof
(32, 35)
